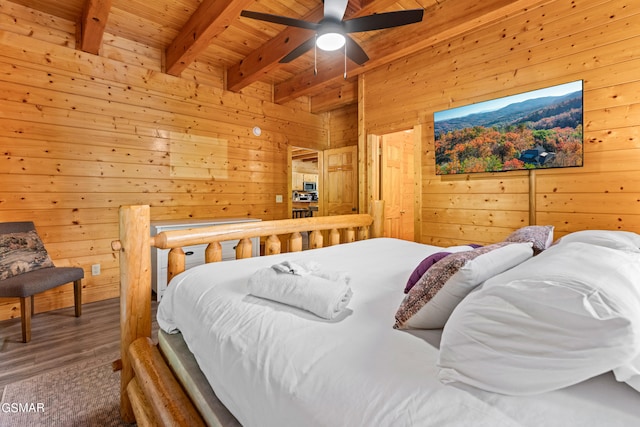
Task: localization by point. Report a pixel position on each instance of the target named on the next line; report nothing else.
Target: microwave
(309, 186)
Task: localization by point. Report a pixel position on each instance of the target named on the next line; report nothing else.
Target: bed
(258, 362)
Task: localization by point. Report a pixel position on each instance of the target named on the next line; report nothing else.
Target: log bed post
(244, 248)
(213, 253)
(273, 245)
(135, 292)
(295, 242)
(315, 239)
(177, 263)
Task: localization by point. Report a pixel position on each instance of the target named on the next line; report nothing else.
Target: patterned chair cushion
(22, 252)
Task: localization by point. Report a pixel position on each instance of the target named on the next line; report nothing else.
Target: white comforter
(275, 365)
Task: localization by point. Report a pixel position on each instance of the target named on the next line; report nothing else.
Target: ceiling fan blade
(277, 19)
(335, 9)
(380, 21)
(300, 50)
(355, 52)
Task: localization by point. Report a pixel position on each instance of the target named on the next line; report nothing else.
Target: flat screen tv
(533, 130)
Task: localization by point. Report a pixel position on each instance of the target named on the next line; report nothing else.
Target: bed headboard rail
(243, 232)
(247, 230)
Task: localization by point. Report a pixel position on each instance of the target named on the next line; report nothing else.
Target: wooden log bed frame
(150, 394)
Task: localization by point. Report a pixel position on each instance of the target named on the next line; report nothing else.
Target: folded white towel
(334, 276)
(304, 268)
(321, 296)
(297, 268)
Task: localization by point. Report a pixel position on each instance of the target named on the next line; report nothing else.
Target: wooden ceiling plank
(92, 25)
(304, 155)
(210, 19)
(442, 21)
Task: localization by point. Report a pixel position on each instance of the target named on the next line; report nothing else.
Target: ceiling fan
(332, 32)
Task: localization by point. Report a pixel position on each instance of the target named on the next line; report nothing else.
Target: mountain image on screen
(541, 131)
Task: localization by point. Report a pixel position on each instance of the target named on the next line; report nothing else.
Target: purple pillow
(432, 259)
(422, 268)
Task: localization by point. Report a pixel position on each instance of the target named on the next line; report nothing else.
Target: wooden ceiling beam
(441, 22)
(92, 24)
(210, 19)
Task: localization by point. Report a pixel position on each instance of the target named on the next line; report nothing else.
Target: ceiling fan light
(330, 41)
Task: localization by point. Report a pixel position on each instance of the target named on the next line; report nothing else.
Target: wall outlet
(278, 198)
(95, 270)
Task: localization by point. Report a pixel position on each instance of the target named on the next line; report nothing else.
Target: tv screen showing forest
(532, 130)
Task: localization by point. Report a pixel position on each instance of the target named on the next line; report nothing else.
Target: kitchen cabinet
(297, 178)
(310, 177)
(194, 254)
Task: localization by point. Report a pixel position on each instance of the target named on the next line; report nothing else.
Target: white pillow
(623, 240)
(431, 300)
(566, 315)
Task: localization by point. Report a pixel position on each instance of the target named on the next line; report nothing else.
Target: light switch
(278, 198)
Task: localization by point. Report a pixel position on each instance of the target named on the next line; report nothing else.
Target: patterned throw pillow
(422, 268)
(431, 301)
(21, 253)
(429, 261)
(540, 235)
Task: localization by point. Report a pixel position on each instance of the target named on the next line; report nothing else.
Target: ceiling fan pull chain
(345, 61)
(315, 56)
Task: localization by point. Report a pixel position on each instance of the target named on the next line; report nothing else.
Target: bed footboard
(149, 392)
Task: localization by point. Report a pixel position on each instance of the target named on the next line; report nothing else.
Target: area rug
(84, 394)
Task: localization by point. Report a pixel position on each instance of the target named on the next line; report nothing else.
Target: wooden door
(340, 190)
(391, 184)
(396, 176)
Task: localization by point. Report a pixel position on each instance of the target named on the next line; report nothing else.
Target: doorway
(306, 182)
(399, 182)
(340, 192)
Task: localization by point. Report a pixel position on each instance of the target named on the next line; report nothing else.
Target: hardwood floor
(58, 338)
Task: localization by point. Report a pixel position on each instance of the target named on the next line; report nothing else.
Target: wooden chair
(25, 285)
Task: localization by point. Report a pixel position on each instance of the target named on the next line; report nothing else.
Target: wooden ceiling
(304, 155)
(249, 50)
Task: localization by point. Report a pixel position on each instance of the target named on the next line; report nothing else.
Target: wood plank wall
(565, 40)
(83, 134)
(343, 126)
